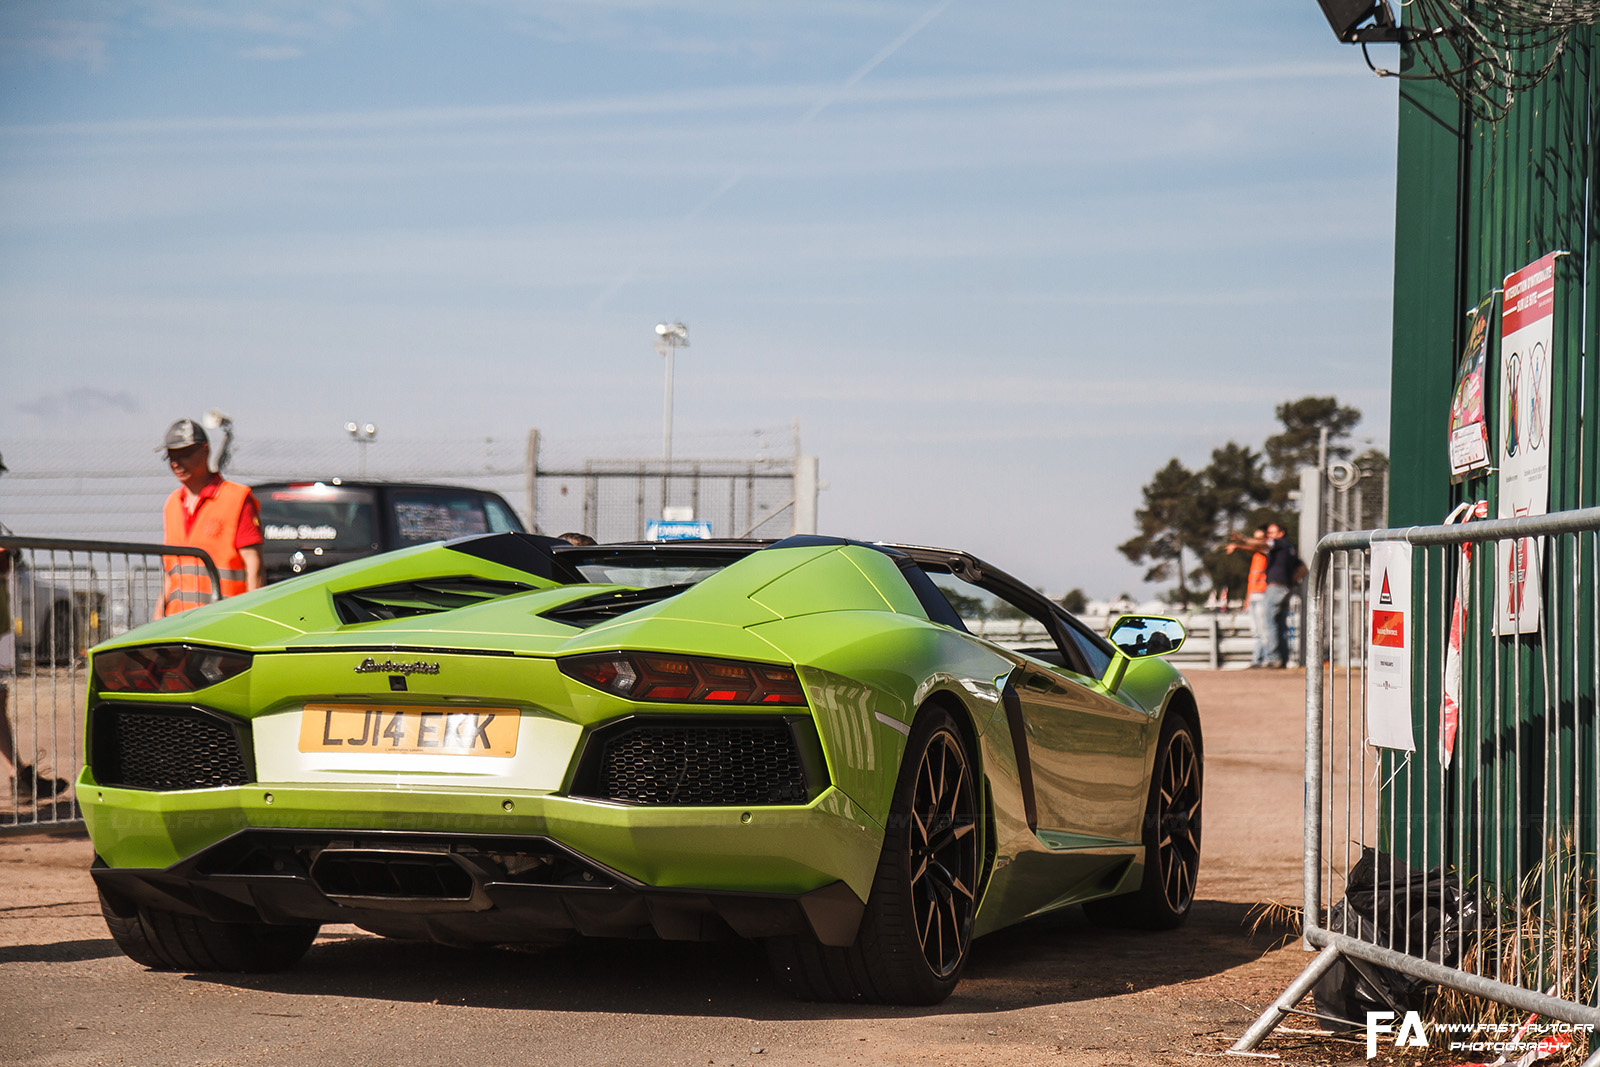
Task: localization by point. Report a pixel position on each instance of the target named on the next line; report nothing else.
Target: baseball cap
(183, 434)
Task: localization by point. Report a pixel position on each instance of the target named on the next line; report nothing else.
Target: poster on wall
(1469, 430)
(1527, 332)
(1389, 648)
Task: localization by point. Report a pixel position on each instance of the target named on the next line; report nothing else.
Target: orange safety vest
(1258, 576)
(215, 528)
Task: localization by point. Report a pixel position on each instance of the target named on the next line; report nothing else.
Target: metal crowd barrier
(63, 596)
(1482, 864)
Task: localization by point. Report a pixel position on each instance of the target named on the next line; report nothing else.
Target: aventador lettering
(389, 666)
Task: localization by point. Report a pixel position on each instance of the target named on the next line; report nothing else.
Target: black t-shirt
(1280, 562)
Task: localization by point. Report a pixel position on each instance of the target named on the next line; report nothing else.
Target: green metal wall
(1476, 201)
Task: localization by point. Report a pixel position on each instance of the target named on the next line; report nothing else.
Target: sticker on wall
(1527, 327)
(1469, 430)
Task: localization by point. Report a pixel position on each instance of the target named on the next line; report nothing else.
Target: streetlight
(361, 435)
(669, 338)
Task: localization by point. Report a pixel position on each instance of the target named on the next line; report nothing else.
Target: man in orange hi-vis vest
(206, 511)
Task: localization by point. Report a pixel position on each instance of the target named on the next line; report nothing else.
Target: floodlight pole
(669, 338)
(362, 436)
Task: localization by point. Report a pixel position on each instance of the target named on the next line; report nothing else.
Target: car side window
(1006, 623)
(1096, 651)
(501, 518)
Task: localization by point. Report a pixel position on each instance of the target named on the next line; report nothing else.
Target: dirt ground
(1058, 990)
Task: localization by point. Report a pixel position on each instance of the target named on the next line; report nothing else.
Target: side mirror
(1147, 635)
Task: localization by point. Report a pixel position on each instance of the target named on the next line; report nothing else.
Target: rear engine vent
(593, 610)
(167, 748)
(424, 597)
(699, 763)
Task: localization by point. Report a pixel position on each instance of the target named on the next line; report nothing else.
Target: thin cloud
(79, 403)
(272, 52)
(740, 98)
(69, 41)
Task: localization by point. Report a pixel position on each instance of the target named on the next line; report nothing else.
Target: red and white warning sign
(1389, 648)
(1527, 337)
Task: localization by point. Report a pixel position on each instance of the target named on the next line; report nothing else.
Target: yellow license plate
(410, 730)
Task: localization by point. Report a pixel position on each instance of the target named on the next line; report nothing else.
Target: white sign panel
(1527, 324)
(1389, 622)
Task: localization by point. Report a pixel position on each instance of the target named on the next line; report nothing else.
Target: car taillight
(166, 668)
(650, 676)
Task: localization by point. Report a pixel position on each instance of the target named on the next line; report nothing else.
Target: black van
(311, 525)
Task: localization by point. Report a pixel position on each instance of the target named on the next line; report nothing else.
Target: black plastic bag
(1387, 904)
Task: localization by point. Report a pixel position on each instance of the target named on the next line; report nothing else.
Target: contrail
(811, 113)
(872, 64)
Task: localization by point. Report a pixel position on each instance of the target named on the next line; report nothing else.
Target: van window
(422, 515)
(501, 518)
(327, 516)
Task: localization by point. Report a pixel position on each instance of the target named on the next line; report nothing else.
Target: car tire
(1171, 836)
(916, 932)
(168, 941)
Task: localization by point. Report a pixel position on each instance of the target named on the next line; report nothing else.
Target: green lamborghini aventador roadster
(507, 738)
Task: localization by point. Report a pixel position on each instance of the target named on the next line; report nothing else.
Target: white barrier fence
(1215, 641)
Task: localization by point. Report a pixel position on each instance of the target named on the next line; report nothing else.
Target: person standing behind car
(1255, 594)
(209, 512)
(1283, 568)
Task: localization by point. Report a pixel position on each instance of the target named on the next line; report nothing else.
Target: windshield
(329, 516)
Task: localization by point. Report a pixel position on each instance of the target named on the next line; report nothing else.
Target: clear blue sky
(1002, 260)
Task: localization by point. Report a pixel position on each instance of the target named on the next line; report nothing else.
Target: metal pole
(532, 476)
(666, 430)
(669, 338)
(1285, 1003)
(805, 495)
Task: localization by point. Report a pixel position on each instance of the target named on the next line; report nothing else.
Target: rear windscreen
(648, 568)
(328, 516)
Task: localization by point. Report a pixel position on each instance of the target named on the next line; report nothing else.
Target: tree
(967, 607)
(1298, 445)
(1195, 513)
(1236, 484)
(1075, 601)
(1177, 515)
(1237, 487)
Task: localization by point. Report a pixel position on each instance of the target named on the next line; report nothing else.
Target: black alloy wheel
(1178, 822)
(916, 931)
(943, 851)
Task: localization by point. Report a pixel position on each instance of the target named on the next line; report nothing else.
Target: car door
(1087, 754)
(1086, 748)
